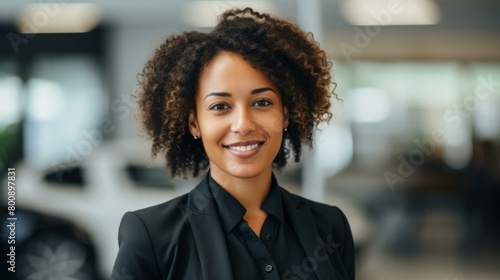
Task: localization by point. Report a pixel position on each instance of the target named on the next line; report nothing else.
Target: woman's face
(239, 117)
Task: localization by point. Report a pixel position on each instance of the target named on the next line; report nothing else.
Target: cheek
(274, 122)
(212, 131)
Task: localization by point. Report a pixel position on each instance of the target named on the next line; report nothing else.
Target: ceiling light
(58, 18)
(205, 13)
(390, 12)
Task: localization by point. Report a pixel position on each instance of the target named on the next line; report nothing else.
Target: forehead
(229, 70)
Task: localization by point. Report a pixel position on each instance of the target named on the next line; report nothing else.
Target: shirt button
(268, 237)
(269, 268)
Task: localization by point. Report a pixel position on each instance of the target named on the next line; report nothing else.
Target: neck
(250, 192)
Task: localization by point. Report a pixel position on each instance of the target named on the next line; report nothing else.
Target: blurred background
(411, 155)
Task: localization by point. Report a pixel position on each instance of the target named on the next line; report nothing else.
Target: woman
(236, 101)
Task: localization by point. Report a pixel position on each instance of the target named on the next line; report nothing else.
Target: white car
(95, 193)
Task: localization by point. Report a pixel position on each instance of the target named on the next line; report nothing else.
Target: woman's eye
(262, 103)
(218, 107)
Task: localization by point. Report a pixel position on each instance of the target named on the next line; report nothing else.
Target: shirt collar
(273, 204)
(231, 212)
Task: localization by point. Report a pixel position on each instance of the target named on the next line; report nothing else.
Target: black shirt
(277, 254)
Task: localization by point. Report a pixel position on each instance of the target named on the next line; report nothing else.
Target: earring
(195, 137)
(285, 129)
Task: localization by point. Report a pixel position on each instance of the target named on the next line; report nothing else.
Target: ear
(194, 128)
(285, 117)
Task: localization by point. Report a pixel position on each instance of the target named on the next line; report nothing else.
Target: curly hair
(288, 56)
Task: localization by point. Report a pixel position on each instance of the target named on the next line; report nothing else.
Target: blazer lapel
(304, 225)
(208, 233)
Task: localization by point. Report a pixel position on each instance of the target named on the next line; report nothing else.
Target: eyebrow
(227, 94)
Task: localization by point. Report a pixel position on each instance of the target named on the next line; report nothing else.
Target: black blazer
(183, 239)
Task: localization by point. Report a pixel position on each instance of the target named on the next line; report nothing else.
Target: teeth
(244, 148)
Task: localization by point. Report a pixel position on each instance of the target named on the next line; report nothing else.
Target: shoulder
(154, 218)
(146, 236)
(165, 210)
(319, 210)
(171, 217)
(328, 218)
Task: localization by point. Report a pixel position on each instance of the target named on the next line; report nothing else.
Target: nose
(243, 122)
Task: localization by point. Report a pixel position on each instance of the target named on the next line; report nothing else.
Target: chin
(245, 171)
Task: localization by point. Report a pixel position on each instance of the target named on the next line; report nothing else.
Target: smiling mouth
(244, 148)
